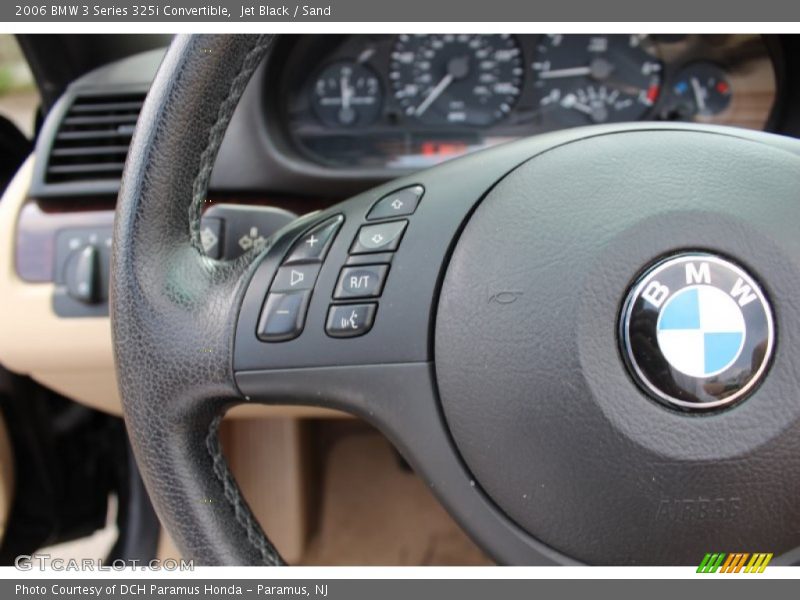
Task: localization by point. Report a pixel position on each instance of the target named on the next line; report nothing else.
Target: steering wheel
(585, 342)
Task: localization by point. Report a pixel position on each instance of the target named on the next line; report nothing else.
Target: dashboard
(404, 102)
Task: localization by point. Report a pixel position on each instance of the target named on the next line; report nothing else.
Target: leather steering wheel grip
(163, 288)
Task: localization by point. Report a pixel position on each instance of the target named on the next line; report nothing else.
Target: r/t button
(361, 282)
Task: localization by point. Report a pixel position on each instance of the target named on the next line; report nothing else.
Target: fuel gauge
(701, 89)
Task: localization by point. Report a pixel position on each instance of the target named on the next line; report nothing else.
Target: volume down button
(283, 316)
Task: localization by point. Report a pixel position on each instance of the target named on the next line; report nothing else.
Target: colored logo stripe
(758, 563)
(711, 562)
(734, 562)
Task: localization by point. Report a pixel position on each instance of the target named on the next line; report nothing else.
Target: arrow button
(383, 237)
(397, 204)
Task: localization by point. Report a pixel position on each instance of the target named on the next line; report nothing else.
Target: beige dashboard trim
(71, 356)
(68, 355)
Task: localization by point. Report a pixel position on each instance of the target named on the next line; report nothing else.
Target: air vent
(93, 138)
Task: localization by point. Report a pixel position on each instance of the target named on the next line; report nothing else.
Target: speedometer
(456, 79)
(582, 79)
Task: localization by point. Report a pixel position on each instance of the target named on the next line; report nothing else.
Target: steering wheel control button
(314, 245)
(283, 316)
(697, 332)
(361, 282)
(384, 237)
(350, 320)
(397, 204)
(295, 277)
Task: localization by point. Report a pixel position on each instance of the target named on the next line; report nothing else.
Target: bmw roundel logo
(697, 331)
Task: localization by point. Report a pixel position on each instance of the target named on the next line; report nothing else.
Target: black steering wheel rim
(157, 223)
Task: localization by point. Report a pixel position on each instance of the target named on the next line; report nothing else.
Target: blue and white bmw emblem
(697, 331)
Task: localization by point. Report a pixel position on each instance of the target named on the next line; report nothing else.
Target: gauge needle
(598, 69)
(699, 97)
(572, 72)
(347, 91)
(435, 93)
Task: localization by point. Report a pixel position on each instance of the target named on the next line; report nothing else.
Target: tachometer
(456, 79)
(346, 94)
(582, 79)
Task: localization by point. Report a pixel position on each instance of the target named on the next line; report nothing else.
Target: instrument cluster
(411, 101)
